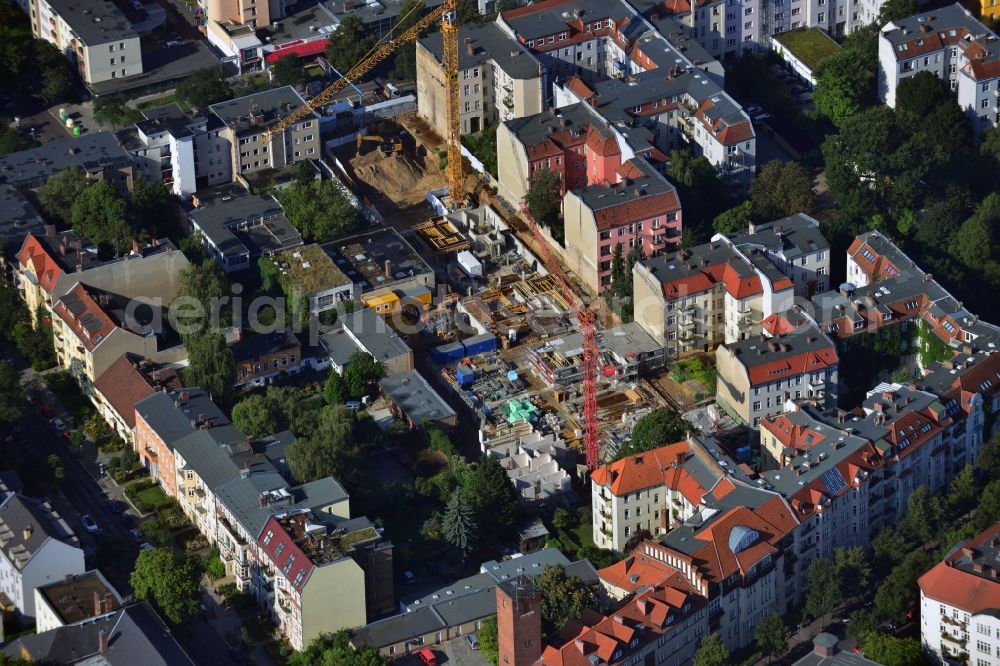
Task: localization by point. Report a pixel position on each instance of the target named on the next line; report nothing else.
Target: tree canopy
(168, 581)
(335, 650)
(330, 450)
(361, 373)
(211, 366)
(782, 189)
(12, 401)
(58, 193)
(563, 598)
(494, 501)
(98, 213)
(253, 416)
(711, 652)
(288, 71)
(112, 110)
(319, 209)
(203, 87)
(704, 194)
(544, 201)
(658, 428)
(772, 636)
(459, 525)
(199, 305)
(349, 44)
(892, 651)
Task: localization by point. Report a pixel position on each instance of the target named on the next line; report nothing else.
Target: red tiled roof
(648, 469)
(777, 324)
(604, 146)
(45, 268)
(961, 589)
(740, 287)
(123, 385)
(579, 88)
(772, 520)
(636, 210)
(645, 616)
(799, 364)
(91, 325)
(274, 539)
(789, 434)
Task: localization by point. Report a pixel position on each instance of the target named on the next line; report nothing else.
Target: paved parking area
(455, 652)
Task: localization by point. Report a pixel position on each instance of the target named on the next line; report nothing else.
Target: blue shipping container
(480, 344)
(449, 353)
(465, 375)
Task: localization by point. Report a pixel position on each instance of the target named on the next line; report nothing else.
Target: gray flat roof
(89, 152)
(18, 217)
(95, 21)
(376, 336)
(799, 234)
(272, 104)
(363, 258)
(488, 43)
(415, 397)
(236, 221)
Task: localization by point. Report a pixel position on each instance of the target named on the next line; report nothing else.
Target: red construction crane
(591, 352)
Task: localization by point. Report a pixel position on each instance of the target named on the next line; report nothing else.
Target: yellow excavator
(388, 145)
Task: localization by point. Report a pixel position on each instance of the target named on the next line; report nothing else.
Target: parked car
(353, 405)
(146, 546)
(136, 534)
(116, 507)
(473, 641)
(136, 5)
(409, 578)
(427, 657)
(57, 424)
(89, 524)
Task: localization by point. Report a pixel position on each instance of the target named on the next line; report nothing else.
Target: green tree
(963, 492)
(494, 500)
(11, 140)
(898, 591)
(861, 622)
(458, 524)
(890, 546)
(704, 194)
(199, 306)
(845, 83)
(924, 515)
(12, 401)
(564, 520)
(194, 248)
(319, 209)
(99, 214)
(361, 373)
(988, 508)
(58, 80)
(658, 428)
(335, 650)
(988, 459)
(203, 87)
(488, 643)
(349, 44)
(211, 366)
(58, 193)
(917, 97)
(772, 636)
(782, 189)
(974, 245)
(823, 590)
(305, 173)
(112, 110)
(893, 10)
(853, 570)
(563, 598)
(892, 651)
(405, 62)
(169, 582)
(544, 202)
(330, 451)
(735, 220)
(711, 652)
(253, 416)
(287, 71)
(334, 390)
(153, 208)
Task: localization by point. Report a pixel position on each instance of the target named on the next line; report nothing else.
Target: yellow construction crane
(448, 17)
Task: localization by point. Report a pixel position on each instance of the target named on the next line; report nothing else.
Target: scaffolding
(442, 235)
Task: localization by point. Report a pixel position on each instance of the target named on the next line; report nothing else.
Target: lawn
(147, 496)
(810, 45)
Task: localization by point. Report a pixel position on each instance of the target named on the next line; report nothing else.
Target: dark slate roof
(489, 43)
(237, 222)
(170, 415)
(255, 346)
(242, 497)
(95, 21)
(272, 104)
(799, 234)
(30, 524)
(91, 151)
(18, 217)
(136, 635)
(169, 118)
(415, 397)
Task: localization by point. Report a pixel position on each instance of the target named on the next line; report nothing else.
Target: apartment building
(74, 599)
(954, 46)
(320, 560)
(626, 352)
(263, 356)
(39, 548)
(99, 156)
(499, 79)
(958, 601)
(167, 416)
(95, 35)
(185, 150)
(93, 328)
(52, 263)
(639, 208)
(989, 10)
(244, 121)
(724, 291)
(129, 380)
(365, 331)
(757, 376)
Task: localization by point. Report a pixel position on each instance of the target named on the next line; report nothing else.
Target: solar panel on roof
(834, 481)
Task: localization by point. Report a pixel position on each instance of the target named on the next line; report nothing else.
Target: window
(795, 11)
(268, 537)
(748, 25)
(983, 646)
(985, 104)
(279, 550)
(822, 17)
(288, 565)
(748, 11)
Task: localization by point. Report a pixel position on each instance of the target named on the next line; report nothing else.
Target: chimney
(825, 645)
(98, 605)
(155, 242)
(28, 531)
(135, 247)
(470, 46)
(388, 269)
(102, 641)
(109, 602)
(50, 230)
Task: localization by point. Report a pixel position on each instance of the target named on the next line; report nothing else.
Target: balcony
(508, 101)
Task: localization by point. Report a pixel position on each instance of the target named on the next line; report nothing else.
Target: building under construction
(627, 352)
(519, 308)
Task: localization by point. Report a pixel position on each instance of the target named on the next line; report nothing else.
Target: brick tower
(519, 622)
